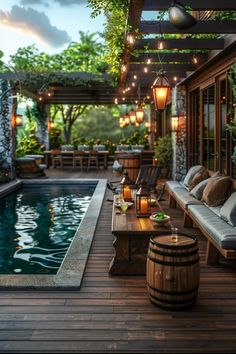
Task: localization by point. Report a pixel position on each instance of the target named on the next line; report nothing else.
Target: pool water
(37, 225)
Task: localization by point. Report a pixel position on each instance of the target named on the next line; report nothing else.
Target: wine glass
(124, 206)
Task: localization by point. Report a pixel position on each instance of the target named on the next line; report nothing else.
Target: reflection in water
(37, 226)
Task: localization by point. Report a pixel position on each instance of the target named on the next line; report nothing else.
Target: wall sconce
(174, 123)
(143, 202)
(126, 187)
(18, 120)
(160, 90)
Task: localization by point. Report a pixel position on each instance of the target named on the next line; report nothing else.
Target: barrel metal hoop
(174, 264)
(173, 302)
(176, 293)
(174, 254)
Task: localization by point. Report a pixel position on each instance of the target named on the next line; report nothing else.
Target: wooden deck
(113, 313)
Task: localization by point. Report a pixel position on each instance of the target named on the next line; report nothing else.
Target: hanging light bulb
(195, 59)
(130, 39)
(123, 68)
(160, 90)
(135, 77)
(145, 69)
(149, 61)
(161, 44)
(116, 100)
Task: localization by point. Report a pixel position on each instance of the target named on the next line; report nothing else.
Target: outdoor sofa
(211, 209)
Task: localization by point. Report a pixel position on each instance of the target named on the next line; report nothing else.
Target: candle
(127, 192)
(143, 206)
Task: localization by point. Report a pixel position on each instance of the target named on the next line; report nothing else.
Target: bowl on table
(159, 217)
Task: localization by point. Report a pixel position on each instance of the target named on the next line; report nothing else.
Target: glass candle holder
(174, 234)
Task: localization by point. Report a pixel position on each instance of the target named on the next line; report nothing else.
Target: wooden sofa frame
(213, 249)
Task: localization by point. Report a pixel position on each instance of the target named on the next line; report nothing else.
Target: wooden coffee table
(132, 241)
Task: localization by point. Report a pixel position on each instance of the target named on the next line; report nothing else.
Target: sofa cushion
(183, 197)
(216, 191)
(228, 210)
(199, 176)
(190, 174)
(197, 191)
(170, 185)
(223, 233)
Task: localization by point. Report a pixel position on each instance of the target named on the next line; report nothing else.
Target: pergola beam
(167, 67)
(167, 57)
(207, 27)
(186, 43)
(154, 5)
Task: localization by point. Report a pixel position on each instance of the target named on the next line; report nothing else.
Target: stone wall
(179, 137)
(7, 129)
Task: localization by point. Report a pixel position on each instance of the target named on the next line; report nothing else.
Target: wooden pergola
(175, 63)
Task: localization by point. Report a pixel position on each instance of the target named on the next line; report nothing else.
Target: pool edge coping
(71, 271)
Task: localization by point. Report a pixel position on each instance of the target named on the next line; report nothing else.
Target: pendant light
(139, 111)
(179, 17)
(132, 117)
(161, 90)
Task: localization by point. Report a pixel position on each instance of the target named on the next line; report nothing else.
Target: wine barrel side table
(173, 271)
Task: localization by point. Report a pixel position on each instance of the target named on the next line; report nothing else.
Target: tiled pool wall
(70, 273)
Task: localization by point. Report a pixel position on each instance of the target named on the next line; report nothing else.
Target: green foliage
(231, 127)
(116, 14)
(84, 55)
(29, 144)
(163, 151)
(139, 137)
(55, 138)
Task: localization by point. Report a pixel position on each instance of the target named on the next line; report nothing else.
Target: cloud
(34, 22)
(71, 2)
(34, 2)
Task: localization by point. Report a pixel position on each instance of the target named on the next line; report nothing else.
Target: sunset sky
(49, 24)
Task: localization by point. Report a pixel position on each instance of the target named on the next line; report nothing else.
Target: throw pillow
(216, 191)
(200, 176)
(228, 210)
(197, 191)
(191, 172)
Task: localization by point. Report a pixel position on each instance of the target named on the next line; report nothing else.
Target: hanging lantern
(132, 117)
(126, 187)
(139, 115)
(174, 123)
(160, 90)
(126, 119)
(143, 202)
(19, 120)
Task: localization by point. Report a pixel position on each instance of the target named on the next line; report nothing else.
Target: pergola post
(179, 137)
(7, 128)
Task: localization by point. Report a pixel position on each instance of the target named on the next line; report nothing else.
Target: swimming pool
(46, 230)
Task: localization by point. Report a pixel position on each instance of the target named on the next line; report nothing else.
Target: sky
(49, 24)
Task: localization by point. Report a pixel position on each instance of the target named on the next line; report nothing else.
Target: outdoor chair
(93, 159)
(148, 174)
(56, 158)
(79, 158)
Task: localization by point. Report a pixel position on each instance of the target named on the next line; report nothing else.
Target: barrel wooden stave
(173, 276)
(130, 163)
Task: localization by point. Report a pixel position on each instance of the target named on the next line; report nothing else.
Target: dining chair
(79, 157)
(56, 158)
(93, 159)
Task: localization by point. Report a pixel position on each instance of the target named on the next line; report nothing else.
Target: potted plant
(163, 154)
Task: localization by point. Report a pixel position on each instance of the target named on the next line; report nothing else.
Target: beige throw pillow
(216, 191)
(199, 176)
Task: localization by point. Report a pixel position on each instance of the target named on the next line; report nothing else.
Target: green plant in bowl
(160, 215)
